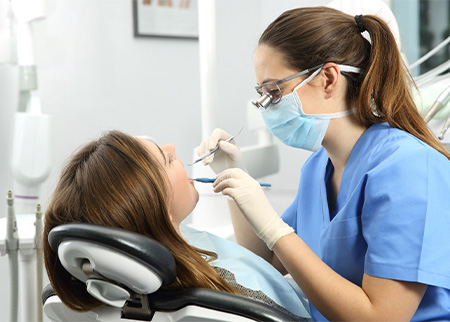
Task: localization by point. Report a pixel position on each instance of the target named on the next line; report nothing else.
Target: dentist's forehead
(269, 65)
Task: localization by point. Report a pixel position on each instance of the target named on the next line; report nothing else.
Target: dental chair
(125, 271)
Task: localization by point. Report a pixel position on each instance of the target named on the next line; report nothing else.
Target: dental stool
(125, 271)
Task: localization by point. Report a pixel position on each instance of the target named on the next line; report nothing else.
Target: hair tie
(359, 23)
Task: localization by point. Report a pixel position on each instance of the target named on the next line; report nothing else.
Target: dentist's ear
(331, 74)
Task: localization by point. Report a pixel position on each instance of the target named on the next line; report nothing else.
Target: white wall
(95, 76)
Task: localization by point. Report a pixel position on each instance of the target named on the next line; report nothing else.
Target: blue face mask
(287, 121)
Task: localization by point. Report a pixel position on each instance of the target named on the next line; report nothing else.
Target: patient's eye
(171, 158)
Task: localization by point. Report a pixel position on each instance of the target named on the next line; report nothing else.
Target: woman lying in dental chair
(134, 184)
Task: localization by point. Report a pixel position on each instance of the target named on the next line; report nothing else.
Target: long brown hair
(114, 181)
(311, 36)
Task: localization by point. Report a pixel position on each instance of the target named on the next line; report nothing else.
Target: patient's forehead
(153, 149)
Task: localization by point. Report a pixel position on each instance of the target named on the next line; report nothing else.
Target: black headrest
(141, 248)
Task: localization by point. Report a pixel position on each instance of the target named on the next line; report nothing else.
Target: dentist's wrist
(274, 230)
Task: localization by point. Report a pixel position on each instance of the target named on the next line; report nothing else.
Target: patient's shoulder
(253, 294)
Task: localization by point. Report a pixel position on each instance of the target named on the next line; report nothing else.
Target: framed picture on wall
(165, 18)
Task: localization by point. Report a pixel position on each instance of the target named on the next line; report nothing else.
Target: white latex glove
(251, 200)
(228, 155)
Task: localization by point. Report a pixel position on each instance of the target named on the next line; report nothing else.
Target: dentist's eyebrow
(268, 80)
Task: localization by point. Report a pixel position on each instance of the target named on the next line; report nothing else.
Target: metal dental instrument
(211, 180)
(438, 104)
(444, 129)
(207, 154)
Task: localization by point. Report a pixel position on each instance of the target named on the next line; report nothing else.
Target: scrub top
(391, 219)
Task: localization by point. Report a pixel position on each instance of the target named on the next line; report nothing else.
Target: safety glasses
(270, 92)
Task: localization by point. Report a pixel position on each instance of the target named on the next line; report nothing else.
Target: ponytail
(312, 36)
(385, 94)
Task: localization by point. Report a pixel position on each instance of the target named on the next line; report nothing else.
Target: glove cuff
(274, 230)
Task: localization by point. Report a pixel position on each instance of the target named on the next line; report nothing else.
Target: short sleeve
(406, 218)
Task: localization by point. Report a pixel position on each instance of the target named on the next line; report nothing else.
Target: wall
(95, 76)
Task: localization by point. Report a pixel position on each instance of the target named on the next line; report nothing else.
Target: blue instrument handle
(211, 180)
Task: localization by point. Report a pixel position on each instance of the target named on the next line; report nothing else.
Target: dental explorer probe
(211, 180)
(438, 104)
(207, 154)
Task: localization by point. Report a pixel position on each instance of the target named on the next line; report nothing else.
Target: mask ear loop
(305, 81)
(308, 79)
(326, 116)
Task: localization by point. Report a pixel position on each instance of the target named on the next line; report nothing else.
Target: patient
(131, 183)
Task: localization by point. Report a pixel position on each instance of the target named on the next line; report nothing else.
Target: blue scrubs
(392, 215)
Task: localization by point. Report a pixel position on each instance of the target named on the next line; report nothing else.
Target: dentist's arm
(337, 298)
(229, 156)
(246, 237)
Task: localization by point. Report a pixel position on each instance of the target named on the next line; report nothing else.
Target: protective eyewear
(270, 92)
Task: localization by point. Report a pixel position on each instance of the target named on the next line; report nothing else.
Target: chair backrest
(125, 270)
(112, 262)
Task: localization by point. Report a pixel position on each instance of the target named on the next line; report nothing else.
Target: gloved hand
(228, 155)
(251, 200)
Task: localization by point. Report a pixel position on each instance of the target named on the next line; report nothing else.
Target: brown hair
(311, 36)
(114, 181)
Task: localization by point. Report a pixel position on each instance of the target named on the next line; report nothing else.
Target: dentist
(368, 235)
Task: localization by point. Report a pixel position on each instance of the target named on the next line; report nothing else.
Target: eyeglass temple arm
(303, 72)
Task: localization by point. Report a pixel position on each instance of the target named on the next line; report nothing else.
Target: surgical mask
(287, 121)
